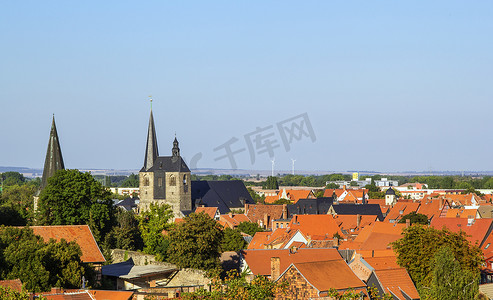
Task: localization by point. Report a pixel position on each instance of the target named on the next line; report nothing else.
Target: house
(233, 220)
(347, 195)
(71, 294)
(212, 212)
(400, 209)
(315, 206)
(312, 225)
(225, 195)
(290, 194)
(375, 239)
(81, 234)
(351, 224)
(433, 207)
(462, 213)
(356, 209)
(310, 280)
(394, 281)
(364, 267)
(263, 214)
(258, 261)
(14, 284)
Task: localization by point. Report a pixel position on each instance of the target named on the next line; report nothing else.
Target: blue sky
(386, 85)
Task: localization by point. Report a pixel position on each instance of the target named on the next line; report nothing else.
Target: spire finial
(150, 99)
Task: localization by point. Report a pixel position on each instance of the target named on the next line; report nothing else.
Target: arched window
(185, 179)
(172, 180)
(146, 181)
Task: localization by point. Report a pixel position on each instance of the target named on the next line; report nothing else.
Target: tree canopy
(417, 248)
(415, 218)
(74, 198)
(152, 223)
(249, 228)
(232, 240)
(38, 264)
(195, 243)
(271, 183)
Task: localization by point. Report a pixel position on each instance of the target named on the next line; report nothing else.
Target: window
(185, 179)
(172, 180)
(146, 181)
(487, 246)
(160, 181)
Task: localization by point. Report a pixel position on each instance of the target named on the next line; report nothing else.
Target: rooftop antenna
(292, 170)
(273, 161)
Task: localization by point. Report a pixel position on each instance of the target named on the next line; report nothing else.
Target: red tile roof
(15, 284)
(347, 222)
(72, 294)
(383, 262)
(326, 275)
(311, 225)
(259, 260)
(397, 281)
(461, 213)
(432, 207)
(400, 209)
(379, 235)
(234, 220)
(210, 211)
(81, 234)
(259, 240)
(257, 212)
(476, 232)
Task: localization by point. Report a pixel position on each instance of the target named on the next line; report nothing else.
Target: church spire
(176, 150)
(54, 159)
(151, 148)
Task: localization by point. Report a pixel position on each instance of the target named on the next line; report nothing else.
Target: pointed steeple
(176, 149)
(151, 148)
(54, 159)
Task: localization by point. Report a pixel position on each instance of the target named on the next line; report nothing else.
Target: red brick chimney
(275, 268)
(284, 211)
(266, 221)
(408, 223)
(358, 220)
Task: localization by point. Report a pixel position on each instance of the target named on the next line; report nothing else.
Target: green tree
(152, 223)
(232, 240)
(7, 293)
(256, 197)
(417, 248)
(450, 280)
(125, 235)
(249, 228)
(282, 201)
(39, 265)
(19, 200)
(271, 183)
(195, 243)
(131, 181)
(12, 178)
(236, 287)
(74, 198)
(332, 186)
(489, 183)
(415, 218)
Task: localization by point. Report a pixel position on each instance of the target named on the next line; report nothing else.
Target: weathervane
(150, 99)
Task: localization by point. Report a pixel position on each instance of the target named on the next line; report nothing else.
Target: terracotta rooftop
(379, 235)
(15, 284)
(259, 240)
(347, 222)
(397, 281)
(326, 275)
(311, 225)
(401, 209)
(432, 207)
(210, 211)
(81, 234)
(233, 220)
(461, 213)
(382, 262)
(256, 212)
(58, 294)
(477, 230)
(259, 260)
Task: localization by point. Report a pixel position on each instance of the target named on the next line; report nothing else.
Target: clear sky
(385, 85)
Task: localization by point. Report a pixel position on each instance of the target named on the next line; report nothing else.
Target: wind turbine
(292, 170)
(273, 161)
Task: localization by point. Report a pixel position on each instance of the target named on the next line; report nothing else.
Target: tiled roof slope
(210, 211)
(401, 209)
(477, 231)
(397, 281)
(259, 260)
(15, 284)
(315, 225)
(81, 234)
(332, 274)
(256, 212)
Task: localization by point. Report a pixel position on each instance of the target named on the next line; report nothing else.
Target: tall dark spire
(151, 148)
(176, 149)
(54, 159)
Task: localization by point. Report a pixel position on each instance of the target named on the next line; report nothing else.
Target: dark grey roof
(152, 152)
(358, 209)
(129, 270)
(54, 159)
(168, 164)
(128, 204)
(310, 206)
(224, 195)
(390, 191)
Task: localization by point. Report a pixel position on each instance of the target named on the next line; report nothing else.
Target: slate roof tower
(54, 159)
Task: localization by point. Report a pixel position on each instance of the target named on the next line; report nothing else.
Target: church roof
(168, 164)
(54, 159)
(224, 195)
(358, 209)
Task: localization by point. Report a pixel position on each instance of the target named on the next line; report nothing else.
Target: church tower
(164, 179)
(53, 160)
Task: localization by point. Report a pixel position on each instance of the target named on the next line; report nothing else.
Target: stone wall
(139, 258)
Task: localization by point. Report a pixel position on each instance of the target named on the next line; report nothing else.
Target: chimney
(344, 187)
(335, 242)
(246, 209)
(275, 268)
(408, 223)
(358, 220)
(266, 221)
(230, 214)
(440, 203)
(284, 211)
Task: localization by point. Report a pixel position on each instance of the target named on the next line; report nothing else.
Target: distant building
(384, 182)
